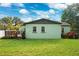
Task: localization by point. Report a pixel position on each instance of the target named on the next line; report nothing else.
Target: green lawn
(39, 47)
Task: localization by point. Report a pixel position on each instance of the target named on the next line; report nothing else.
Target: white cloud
(61, 6)
(2, 15)
(51, 5)
(42, 14)
(69, 3)
(51, 11)
(10, 4)
(39, 12)
(27, 19)
(5, 4)
(57, 5)
(23, 11)
(19, 4)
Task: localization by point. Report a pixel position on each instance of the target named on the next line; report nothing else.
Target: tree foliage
(71, 15)
(10, 23)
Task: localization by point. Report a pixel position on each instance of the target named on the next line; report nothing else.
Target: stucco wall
(2, 33)
(53, 31)
(66, 29)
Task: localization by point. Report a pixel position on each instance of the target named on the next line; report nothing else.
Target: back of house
(42, 29)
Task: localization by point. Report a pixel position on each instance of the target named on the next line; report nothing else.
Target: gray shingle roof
(42, 21)
(65, 24)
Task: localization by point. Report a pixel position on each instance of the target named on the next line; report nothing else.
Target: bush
(71, 35)
(11, 38)
(8, 38)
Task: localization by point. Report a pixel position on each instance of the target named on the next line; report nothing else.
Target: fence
(10, 33)
(13, 33)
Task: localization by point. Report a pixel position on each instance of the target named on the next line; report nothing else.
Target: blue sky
(33, 11)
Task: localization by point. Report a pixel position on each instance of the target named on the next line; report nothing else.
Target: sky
(33, 11)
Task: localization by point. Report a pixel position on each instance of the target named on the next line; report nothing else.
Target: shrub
(8, 38)
(71, 35)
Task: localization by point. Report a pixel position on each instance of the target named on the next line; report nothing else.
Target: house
(65, 27)
(42, 29)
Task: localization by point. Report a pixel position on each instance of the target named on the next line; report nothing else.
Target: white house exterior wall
(66, 29)
(52, 31)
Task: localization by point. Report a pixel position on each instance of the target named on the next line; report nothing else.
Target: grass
(39, 47)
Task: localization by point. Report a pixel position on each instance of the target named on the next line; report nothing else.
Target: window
(34, 29)
(43, 29)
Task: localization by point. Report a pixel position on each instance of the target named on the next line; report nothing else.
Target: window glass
(34, 29)
(43, 29)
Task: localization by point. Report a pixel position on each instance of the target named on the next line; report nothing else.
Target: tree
(16, 20)
(10, 23)
(1, 26)
(71, 15)
(5, 22)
